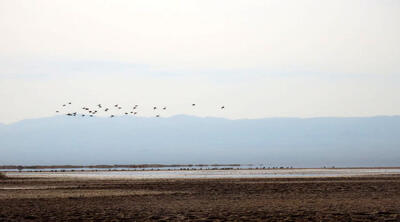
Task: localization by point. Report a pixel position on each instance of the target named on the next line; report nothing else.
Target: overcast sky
(260, 59)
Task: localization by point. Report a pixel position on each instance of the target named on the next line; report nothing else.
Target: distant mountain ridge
(298, 142)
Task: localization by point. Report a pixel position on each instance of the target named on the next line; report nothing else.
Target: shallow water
(237, 173)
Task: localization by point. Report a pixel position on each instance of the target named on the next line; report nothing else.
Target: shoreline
(173, 168)
(207, 173)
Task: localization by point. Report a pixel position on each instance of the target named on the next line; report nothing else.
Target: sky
(270, 58)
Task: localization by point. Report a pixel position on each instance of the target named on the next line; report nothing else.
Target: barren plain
(362, 198)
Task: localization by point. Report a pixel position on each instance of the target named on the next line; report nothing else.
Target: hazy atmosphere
(258, 58)
(200, 110)
(232, 60)
(315, 142)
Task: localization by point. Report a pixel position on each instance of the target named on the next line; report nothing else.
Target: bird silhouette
(95, 110)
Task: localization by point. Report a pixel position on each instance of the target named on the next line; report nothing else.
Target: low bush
(2, 176)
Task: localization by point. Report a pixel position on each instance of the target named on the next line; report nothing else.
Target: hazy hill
(312, 142)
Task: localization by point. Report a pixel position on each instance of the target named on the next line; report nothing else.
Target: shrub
(2, 176)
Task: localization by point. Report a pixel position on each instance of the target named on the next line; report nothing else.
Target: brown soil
(305, 199)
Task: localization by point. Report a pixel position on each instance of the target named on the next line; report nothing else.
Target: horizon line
(204, 117)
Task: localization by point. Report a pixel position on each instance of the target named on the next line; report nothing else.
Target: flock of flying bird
(92, 112)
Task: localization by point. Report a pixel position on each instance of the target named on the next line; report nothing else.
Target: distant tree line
(19, 167)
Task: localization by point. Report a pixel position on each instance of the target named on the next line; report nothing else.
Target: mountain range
(297, 142)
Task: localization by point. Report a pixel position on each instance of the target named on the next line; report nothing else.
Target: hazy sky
(258, 58)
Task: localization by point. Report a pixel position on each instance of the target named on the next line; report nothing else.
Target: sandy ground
(368, 198)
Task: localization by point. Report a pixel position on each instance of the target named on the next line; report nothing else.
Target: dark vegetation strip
(116, 166)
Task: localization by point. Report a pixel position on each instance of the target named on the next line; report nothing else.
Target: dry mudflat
(371, 198)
